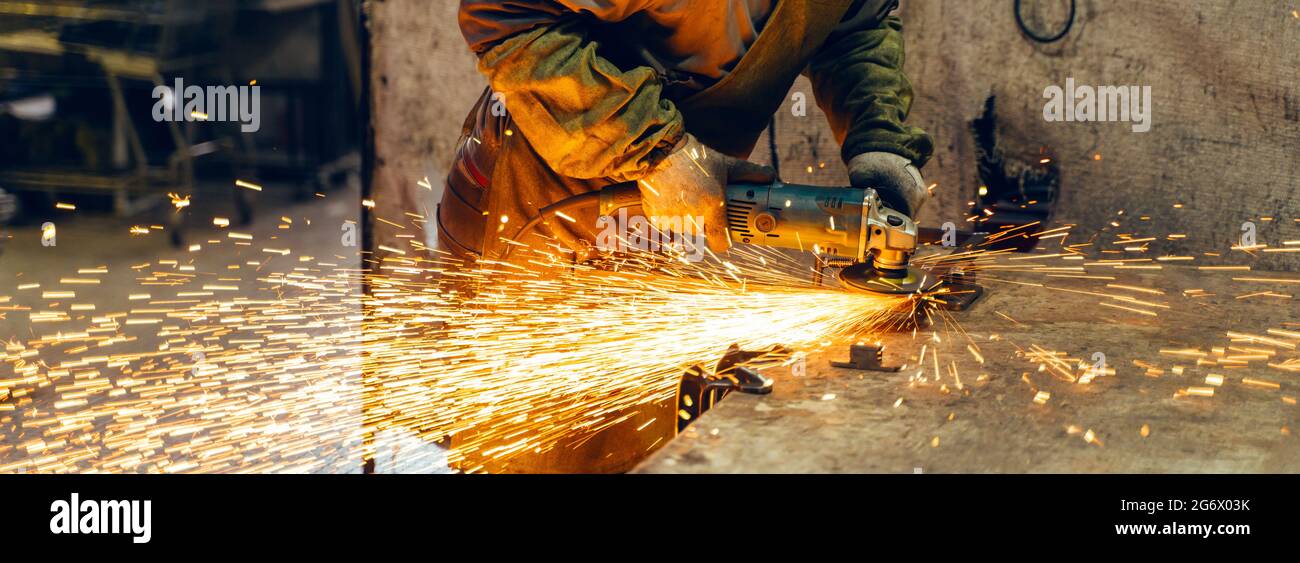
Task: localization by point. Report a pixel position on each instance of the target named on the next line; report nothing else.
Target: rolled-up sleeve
(859, 83)
(583, 115)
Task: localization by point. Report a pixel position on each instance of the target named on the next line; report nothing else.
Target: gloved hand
(691, 183)
(895, 179)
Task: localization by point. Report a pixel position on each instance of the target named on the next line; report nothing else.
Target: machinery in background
(1014, 191)
(98, 61)
(8, 207)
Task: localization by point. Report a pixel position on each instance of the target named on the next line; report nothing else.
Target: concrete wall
(1224, 139)
(1225, 132)
(423, 82)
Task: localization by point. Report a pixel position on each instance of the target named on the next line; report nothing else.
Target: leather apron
(497, 173)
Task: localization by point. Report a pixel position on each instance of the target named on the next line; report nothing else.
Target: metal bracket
(868, 357)
(736, 371)
(959, 296)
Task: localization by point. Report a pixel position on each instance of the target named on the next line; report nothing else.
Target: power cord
(1069, 24)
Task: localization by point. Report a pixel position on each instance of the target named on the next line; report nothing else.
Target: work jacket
(588, 93)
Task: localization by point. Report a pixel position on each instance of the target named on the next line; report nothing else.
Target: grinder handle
(619, 196)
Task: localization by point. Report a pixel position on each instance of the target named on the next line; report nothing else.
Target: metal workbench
(836, 420)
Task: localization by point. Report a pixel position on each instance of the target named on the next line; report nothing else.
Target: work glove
(691, 184)
(895, 179)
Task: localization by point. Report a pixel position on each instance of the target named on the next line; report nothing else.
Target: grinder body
(844, 226)
(836, 223)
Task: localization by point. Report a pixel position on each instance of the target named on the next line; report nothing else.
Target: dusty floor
(94, 240)
(839, 420)
(836, 420)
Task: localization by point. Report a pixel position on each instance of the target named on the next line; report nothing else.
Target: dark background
(304, 54)
(850, 517)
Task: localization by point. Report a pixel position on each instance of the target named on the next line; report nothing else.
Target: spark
(254, 372)
(178, 201)
(1261, 383)
(1268, 280)
(251, 369)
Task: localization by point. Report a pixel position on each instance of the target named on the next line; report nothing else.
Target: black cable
(366, 216)
(546, 213)
(1069, 23)
(771, 146)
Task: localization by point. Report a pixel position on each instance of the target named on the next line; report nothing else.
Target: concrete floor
(836, 420)
(90, 240)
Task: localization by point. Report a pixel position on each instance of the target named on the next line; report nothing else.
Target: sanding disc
(863, 277)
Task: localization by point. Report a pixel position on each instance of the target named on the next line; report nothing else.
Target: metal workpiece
(737, 370)
(867, 357)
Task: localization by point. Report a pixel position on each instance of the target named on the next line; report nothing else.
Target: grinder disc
(864, 277)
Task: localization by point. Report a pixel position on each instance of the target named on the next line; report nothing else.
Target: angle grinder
(843, 226)
(840, 225)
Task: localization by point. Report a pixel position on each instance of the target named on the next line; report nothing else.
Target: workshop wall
(423, 82)
(1225, 127)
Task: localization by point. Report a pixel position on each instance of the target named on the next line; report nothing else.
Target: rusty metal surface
(1225, 121)
(837, 420)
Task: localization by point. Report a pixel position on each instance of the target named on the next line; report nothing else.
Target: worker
(584, 94)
